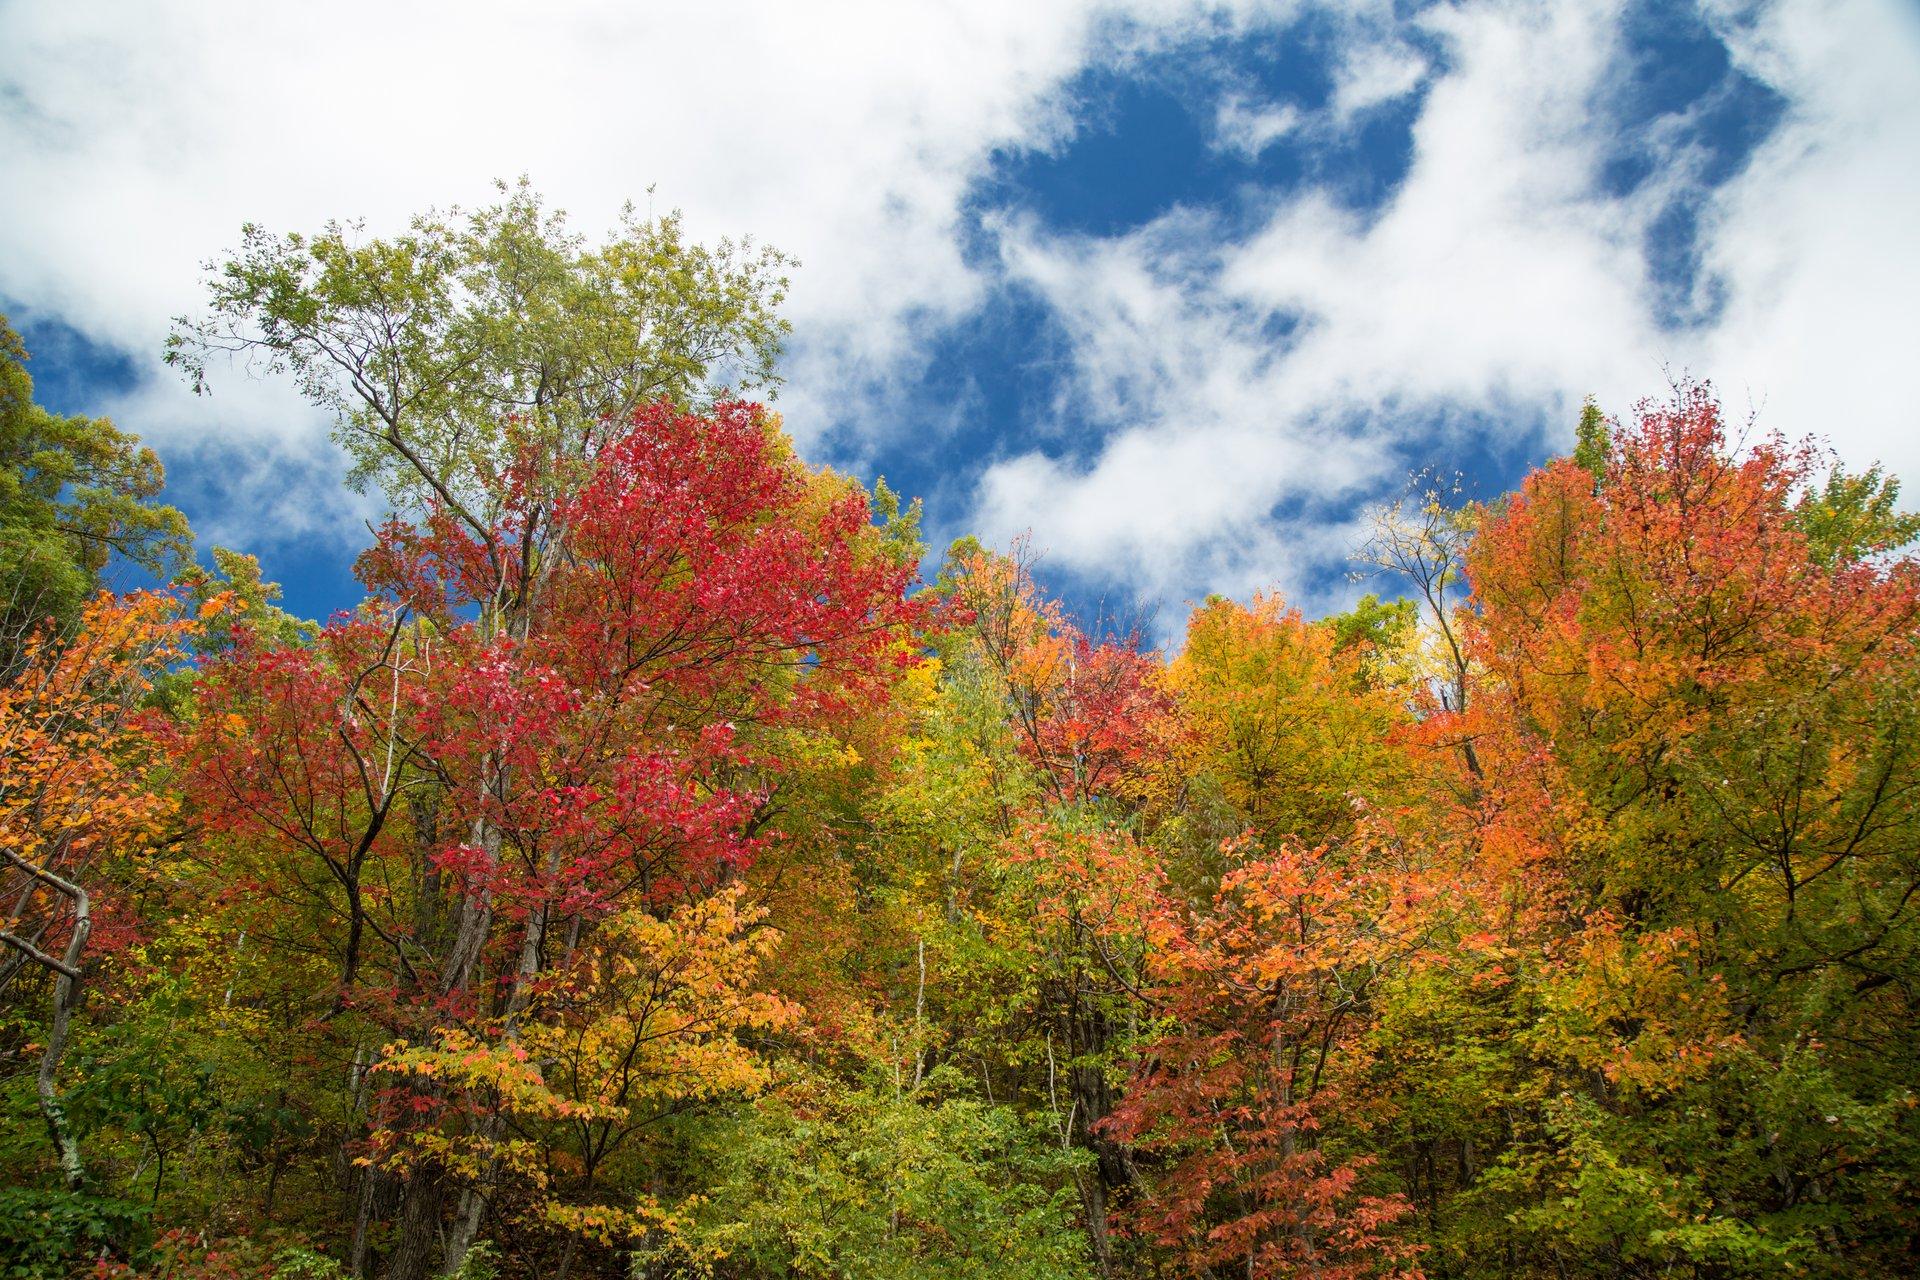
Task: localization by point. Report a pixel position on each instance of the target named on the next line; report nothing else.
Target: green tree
(453, 350)
(1592, 440)
(874, 1181)
(1848, 516)
(74, 492)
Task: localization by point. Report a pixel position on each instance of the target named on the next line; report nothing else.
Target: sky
(1176, 288)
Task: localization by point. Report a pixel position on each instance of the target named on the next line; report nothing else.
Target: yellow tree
(653, 1016)
(1278, 721)
(74, 750)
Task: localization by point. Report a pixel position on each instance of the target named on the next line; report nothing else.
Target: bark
(420, 1201)
(466, 1227)
(473, 1201)
(362, 1219)
(1087, 1035)
(1093, 1206)
(476, 917)
(66, 998)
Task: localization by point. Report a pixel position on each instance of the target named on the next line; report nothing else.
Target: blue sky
(1177, 287)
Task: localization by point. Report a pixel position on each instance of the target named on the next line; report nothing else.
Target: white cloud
(137, 138)
(1182, 500)
(1817, 243)
(1502, 278)
(1495, 277)
(1374, 73)
(1248, 130)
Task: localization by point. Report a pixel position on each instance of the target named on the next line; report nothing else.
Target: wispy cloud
(1248, 130)
(1253, 389)
(137, 139)
(1237, 378)
(1376, 72)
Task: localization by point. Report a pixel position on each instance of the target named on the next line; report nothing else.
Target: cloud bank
(1253, 386)
(1236, 375)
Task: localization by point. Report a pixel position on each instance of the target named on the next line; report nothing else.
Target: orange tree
(1281, 911)
(1700, 667)
(74, 753)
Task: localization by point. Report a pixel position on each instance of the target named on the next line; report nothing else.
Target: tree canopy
(75, 493)
(653, 877)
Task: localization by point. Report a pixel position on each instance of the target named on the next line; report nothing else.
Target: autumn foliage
(652, 878)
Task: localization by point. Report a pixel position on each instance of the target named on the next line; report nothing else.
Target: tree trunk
(66, 998)
(420, 1201)
(473, 1200)
(466, 1228)
(476, 914)
(1093, 1206)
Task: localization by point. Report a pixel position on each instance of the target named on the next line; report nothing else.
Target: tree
(1278, 724)
(1282, 910)
(71, 741)
(825, 1181)
(1080, 706)
(1593, 441)
(480, 366)
(647, 1019)
(1704, 668)
(474, 805)
(473, 343)
(1244, 1107)
(1422, 539)
(1855, 516)
(1063, 721)
(74, 492)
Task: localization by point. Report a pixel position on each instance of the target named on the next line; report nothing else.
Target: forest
(675, 869)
